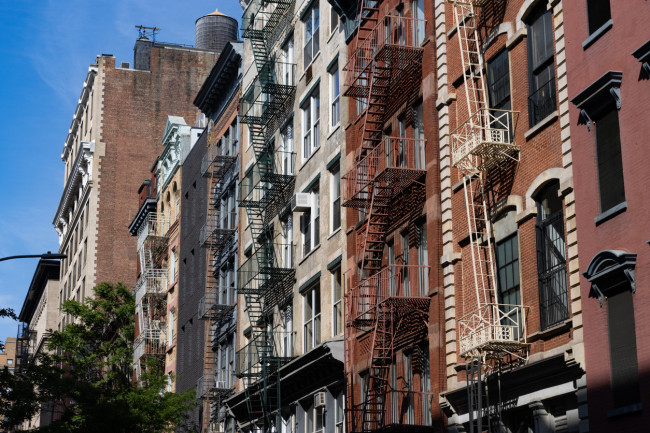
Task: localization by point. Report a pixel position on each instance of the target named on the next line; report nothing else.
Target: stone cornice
(78, 112)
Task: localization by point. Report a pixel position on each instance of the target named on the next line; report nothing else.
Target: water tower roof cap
(217, 13)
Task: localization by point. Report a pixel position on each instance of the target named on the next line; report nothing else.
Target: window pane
(598, 13)
(610, 164)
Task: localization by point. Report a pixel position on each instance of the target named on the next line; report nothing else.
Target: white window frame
(314, 223)
(337, 304)
(311, 124)
(311, 18)
(170, 328)
(314, 318)
(335, 96)
(335, 195)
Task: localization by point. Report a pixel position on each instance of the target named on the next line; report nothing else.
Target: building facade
(292, 234)
(38, 315)
(110, 145)
(391, 192)
(218, 239)
(608, 72)
(513, 311)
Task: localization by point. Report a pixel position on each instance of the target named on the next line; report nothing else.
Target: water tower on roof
(214, 30)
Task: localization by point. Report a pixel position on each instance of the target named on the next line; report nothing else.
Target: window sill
(541, 125)
(610, 213)
(334, 129)
(304, 70)
(625, 410)
(304, 163)
(333, 233)
(550, 332)
(332, 33)
(308, 254)
(597, 34)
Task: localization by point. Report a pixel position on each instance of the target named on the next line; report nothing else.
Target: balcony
(273, 85)
(394, 44)
(485, 140)
(150, 342)
(153, 225)
(396, 163)
(218, 230)
(214, 164)
(268, 180)
(495, 329)
(269, 272)
(263, 20)
(152, 282)
(404, 410)
(210, 307)
(249, 358)
(405, 286)
(208, 386)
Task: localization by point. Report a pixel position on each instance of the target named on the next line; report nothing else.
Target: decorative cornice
(78, 112)
(592, 100)
(611, 272)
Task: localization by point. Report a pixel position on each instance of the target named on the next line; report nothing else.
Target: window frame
(314, 319)
(337, 303)
(334, 76)
(335, 197)
(546, 64)
(310, 227)
(311, 124)
(311, 18)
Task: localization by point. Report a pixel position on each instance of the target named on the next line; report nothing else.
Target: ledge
(525, 215)
(516, 38)
(610, 213)
(550, 332)
(309, 254)
(625, 410)
(541, 125)
(445, 100)
(597, 34)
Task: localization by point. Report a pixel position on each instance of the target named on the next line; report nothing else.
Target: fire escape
(216, 235)
(267, 276)
(386, 302)
(490, 334)
(151, 290)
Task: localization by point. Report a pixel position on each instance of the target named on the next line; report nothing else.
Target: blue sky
(45, 49)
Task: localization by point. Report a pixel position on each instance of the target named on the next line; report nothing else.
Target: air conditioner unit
(319, 399)
(221, 384)
(301, 202)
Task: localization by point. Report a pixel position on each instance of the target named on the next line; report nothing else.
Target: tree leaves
(86, 377)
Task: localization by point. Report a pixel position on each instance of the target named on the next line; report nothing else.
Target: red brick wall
(627, 231)
(136, 105)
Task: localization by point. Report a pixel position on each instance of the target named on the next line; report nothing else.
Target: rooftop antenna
(148, 32)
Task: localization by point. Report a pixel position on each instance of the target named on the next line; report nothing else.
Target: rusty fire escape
(217, 232)
(490, 334)
(386, 302)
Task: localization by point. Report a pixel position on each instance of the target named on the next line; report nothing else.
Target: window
(611, 274)
(408, 377)
(498, 81)
(170, 329)
(610, 164)
(335, 105)
(334, 20)
(423, 259)
(418, 27)
(418, 133)
(541, 68)
(10, 361)
(310, 224)
(599, 103)
(405, 260)
(337, 302)
(339, 413)
(286, 316)
(425, 385)
(311, 122)
(335, 198)
(551, 258)
(311, 22)
(315, 419)
(311, 318)
(598, 13)
(507, 261)
(286, 225)
(287, 157)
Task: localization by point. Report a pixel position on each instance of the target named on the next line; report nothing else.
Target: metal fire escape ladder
(261, 193)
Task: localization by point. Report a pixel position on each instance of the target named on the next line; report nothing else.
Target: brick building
(111, 143)
(391, 189)
(513, 316)
(608, 58)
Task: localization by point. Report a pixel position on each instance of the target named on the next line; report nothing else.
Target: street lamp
(47, 256)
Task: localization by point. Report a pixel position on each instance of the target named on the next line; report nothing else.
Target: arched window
(551, 257)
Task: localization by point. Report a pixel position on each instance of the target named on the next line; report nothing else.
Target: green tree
(87, 376)
(6, 312)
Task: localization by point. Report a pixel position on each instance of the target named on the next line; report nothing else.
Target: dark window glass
(498, 77)
(610, 164)
(507, 258)
(541, 68)
(598, 13)
(622, 349)
(551, 258)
